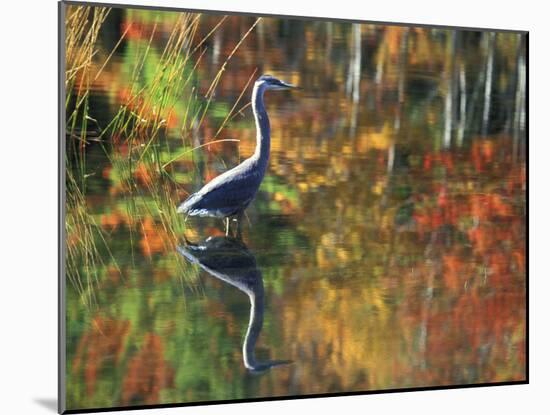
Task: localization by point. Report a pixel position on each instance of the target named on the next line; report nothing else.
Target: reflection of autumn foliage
(115, 218)
(154, 237)
(103, 343)
(485, 283)
(148, 373)
(143, 175)
(442, 302)
(111, 220)
(380, 274)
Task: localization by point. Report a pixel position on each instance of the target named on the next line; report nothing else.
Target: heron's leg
(227, 226)
(239, 227)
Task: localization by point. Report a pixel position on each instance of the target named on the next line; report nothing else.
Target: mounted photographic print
(272, 207)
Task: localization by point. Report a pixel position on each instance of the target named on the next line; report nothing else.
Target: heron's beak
(293, 86)
(285, 85)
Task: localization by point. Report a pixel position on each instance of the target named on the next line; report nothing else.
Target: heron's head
(270, 82)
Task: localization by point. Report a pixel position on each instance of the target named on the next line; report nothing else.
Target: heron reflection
(229, 260)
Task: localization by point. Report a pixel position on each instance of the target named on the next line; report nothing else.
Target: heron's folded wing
(234, 193)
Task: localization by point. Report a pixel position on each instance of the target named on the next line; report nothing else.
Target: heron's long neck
(254, 327)
(263, 134)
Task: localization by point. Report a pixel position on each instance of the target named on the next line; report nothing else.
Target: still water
(385, 249)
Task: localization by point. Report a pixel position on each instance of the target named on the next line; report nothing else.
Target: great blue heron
(230, 193)
(229, 260)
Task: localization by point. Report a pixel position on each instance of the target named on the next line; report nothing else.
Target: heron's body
(230, 193)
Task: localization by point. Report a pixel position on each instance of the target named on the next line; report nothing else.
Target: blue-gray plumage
(230, 193)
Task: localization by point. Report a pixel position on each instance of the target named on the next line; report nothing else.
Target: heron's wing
(230, 197)
(188, 203)
(228, 192)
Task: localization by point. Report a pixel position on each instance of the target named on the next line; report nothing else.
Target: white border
(28, 163)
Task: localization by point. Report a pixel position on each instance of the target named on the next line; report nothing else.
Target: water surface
(386, 244)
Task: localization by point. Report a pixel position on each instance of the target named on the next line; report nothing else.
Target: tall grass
(82, 30)
(159, 83)
(82, 27)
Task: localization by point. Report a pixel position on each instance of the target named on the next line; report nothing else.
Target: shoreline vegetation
(134, 141)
